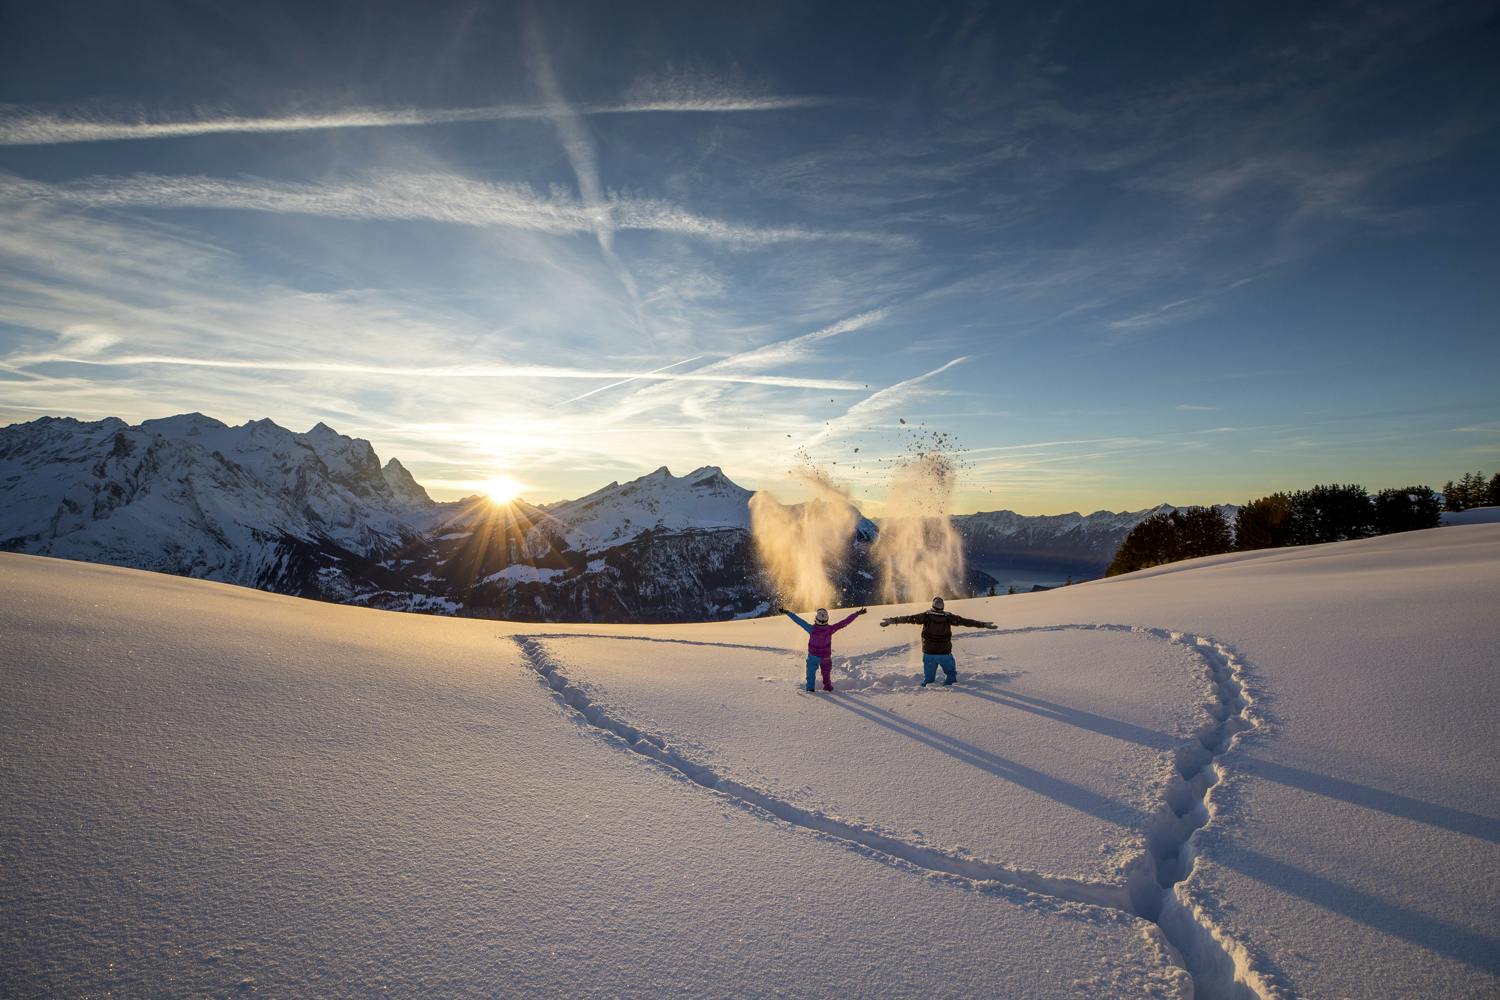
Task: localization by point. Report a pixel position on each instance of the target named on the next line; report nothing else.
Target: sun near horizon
(502, 489)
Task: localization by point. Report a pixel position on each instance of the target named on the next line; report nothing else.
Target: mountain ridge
(316, 514)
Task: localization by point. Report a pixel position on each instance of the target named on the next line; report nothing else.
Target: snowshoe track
(1221, 968)
(868, 839)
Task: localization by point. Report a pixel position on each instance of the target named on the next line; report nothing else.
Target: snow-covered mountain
(658, 548)
(256, 505)
(1053, 546)
(317, 515)
(703, 500)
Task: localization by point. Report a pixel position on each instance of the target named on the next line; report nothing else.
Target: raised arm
(957, 620)
(851, 618)
(805, 627)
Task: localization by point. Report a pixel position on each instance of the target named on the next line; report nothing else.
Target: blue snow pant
(813, 663)
(930, 663)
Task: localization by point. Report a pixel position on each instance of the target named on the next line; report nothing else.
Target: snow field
(1280, 770)
(1148, 886)
(1357, 831)
(1475, 515)
(948, 768)
(209, 790)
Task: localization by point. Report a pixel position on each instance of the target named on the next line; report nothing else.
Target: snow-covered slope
(1280, 765)
(256, 505)
(1474, 515)
(313, 800)
(704, 499)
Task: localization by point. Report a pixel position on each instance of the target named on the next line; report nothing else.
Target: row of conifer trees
(1472, 491)
(1331, 513)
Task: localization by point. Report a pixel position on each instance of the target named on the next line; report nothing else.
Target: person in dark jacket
(820, 644)
(937, 639)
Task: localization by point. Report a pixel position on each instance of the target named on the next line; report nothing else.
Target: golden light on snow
(502, 489)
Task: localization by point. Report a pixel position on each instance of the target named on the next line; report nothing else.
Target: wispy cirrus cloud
(26, 127)
(431, 197)
(883, 401)
(583, 156)
(778, 353)
(795, 348)
(1123, 442)
(23, 361)
(126, 317)
(626, 381)
(1153, 317)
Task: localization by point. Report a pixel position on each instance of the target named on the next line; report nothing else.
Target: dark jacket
(937, 628)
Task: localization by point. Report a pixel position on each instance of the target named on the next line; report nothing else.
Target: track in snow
(1221, 968)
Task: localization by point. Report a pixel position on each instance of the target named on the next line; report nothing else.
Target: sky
(1117, 254)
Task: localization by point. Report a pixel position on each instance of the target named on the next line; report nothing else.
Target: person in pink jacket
(820, 644)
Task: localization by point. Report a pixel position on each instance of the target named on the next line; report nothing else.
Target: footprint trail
(1220, 968)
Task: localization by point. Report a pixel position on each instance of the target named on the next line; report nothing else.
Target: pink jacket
(820, 637)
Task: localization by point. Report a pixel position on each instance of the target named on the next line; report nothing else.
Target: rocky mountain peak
(403, 486)
(183, 425)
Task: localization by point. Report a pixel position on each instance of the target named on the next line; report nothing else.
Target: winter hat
(937, 604)
(821, 617)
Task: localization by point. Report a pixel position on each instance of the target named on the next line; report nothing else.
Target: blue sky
(1121, 254)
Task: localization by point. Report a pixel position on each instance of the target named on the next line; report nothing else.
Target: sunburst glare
(502, 489)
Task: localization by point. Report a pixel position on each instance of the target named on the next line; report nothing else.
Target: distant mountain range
(1053, 547)
(317, 515)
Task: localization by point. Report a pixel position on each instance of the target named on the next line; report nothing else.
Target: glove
(863, 611)
(884, 622)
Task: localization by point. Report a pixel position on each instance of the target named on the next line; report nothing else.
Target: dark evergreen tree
(1476, 490)
(1451, 499)
(1202, 531)
(1148, 544)
(1169, 537)
(1461, 494)
(1265, 523)
(1331, 513)
(1408, 509)
(1493, 493)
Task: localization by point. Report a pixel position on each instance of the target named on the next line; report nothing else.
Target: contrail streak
(450, 371)
(18, 128)
(627, 381)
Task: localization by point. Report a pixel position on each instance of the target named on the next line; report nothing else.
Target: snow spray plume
(801, 547)
(919, 552)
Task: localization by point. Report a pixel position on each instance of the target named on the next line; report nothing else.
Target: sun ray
(502, 489)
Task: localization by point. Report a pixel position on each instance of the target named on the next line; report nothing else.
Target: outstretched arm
(846, 621)
(972, 623)
(805, 627)
(918, 619)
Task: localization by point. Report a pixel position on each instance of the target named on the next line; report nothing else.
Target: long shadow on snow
(1071, 795)
(1401, 806)
(1405, 807)
(1460, 943)
(1116, 728)
(653, 638)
